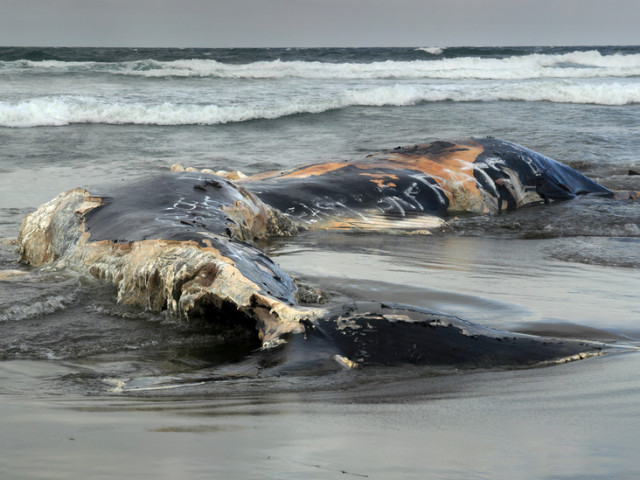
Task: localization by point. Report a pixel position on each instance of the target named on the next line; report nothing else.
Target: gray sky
(308, 23)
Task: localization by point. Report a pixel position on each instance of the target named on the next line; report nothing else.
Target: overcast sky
(305, 23)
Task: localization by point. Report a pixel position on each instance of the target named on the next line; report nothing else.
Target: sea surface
(93, 389)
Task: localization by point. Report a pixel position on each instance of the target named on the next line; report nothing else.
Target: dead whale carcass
(182, 242)
(417, 187)
(170, 242)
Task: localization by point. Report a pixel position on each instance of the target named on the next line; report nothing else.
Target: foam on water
(566, 91)
(218, 90)
(75, 109)
(431, 50)
(33, 309)
(69, 110)
(578, 64)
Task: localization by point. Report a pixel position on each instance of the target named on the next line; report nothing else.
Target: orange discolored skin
(416, 187)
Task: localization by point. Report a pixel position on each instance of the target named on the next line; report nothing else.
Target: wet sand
(572, 421)
(66, 419)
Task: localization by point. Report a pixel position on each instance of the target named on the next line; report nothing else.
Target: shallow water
(503, 283)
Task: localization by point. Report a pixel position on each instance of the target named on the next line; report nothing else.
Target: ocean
(95, 389)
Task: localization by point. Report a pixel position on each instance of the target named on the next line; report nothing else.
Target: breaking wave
(431, 50)
(35, 308)
(70, 109)
(577, 64)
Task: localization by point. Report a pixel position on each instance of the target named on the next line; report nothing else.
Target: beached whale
(184, 242)
(418, 186)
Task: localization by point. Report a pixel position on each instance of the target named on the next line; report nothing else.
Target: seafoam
(206, 91)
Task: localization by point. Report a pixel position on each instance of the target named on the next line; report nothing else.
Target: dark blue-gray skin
(418, 186)
(405, 188)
